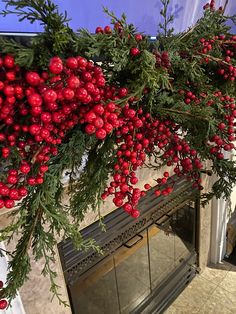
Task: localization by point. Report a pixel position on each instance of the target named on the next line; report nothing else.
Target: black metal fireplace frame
(121, 228)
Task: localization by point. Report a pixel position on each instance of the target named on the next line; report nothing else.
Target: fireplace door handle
(162, 221)
(140, 238)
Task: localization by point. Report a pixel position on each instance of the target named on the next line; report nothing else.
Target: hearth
(146, 263)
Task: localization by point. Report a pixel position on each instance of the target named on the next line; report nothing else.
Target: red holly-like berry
(50, 96)
(98, 109)
(118, 201)
(108, 127)
(12, 179)
(98, 122)
(221, 126)
(43, 168)
(1, 284)
(9, 204)
(34, 129)
(135, 213)
(55, 65)
(46, 117)
(25, 168)
(90, 129)
(32, 78)
(72, 63)
(39, 180)
(134, 180)
(9, 62)
(82, 62)
(98, 30)
(128, 207)
(3, 304)
(14, 194)
(101, 134)
(123, 92)
(157, 193)
(107, 30)
(73, 82)
(4, 190)
(90, 116)
(134, 51)
(147, 186)
(22, 191)
(31, 181)
(138, 37)
(35, 100)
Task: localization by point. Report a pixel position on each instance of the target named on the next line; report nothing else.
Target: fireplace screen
(126, 279)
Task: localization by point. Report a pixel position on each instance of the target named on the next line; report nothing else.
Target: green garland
(41, 216)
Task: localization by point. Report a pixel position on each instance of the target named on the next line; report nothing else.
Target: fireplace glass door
(127, 277)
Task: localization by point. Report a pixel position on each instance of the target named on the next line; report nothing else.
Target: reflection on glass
(132, 270)
(182, 223)
(124, 280)
(97, 294)
(162, 254)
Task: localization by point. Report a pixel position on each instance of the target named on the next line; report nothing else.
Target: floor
(213, 291)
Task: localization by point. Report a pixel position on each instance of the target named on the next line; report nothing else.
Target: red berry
(147, 186)
(98, 30)
(135, 213)
(32, 78)
(39, 180)
(50, 96)
(101, 134)
(98, 122)
(72, 63)
(55, 65)
(128, 207)
(90, 129)
(43, 168)
(107, 30)
(138, 37)
(134, 51)
(1, 206)
(23, 191)
(8, 204)
(25, 168)
(3, 304)
(9, 62)
(35, 100)
(73, 82)
(14, 194)
(12, 179)
(157, 193)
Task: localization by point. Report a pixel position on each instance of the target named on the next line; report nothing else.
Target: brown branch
(187, 114)
(226, 3)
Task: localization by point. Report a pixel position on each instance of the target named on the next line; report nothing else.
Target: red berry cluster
(3, 302)
(102, 118)
(210, 5)
(223, 141)
(225, 136)
(226, 68)
(162, 59)
(138, 136)
(37, 109)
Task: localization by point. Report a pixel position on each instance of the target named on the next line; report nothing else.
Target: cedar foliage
(41, 218)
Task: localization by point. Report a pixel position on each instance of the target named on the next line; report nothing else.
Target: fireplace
(146, 262)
